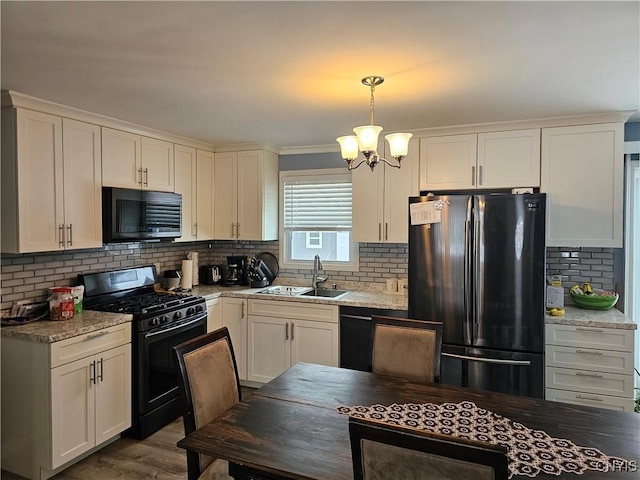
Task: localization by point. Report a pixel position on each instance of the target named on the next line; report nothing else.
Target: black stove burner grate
(150, 303)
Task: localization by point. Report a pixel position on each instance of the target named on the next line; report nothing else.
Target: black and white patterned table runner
(530, 451)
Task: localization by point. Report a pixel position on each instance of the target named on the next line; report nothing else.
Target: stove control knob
(164, 319)
(177, 316)
(199, 308)
(154, 322)
(190, 311)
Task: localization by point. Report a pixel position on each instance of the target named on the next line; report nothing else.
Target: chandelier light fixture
(366, 138)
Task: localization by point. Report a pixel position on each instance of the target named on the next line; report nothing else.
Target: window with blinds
(316, 219)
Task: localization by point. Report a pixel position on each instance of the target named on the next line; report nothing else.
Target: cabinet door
(39, 182)
(121, 159)
(112, 392)
(157, 165)
(214, 314)
(314, 342)
(204, 198)
(509, 159)
(448, 162)
(235, 319)
(72, 410)
(82, 154)
(225, 193)
(250, 176)
(185, 184)
(268, 348)
(368, 203)
(399, 185)
(582, 173)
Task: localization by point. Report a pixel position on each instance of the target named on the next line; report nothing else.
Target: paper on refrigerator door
(424, 213)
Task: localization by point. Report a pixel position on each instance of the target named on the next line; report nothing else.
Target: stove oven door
(157, 375)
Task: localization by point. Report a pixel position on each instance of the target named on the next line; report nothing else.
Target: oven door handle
(180, 325)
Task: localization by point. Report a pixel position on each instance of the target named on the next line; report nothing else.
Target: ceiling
(288, 73)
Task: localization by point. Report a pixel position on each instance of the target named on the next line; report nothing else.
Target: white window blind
(319, 204)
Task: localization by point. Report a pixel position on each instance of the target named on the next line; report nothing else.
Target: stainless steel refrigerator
(477, 263)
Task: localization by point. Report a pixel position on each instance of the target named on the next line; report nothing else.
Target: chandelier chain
(371, 105)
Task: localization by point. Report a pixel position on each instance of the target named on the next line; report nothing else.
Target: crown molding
(238, 147)
(9, 98)
(310, 149)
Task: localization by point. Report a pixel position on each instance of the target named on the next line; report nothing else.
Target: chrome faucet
(317, 265)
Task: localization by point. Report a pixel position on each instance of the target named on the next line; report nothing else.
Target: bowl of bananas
(593, 298)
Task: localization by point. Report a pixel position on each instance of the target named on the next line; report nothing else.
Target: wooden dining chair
(210, 386)
(406, 348)
(382, 451)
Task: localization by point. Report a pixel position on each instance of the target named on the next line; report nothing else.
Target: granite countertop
(355, 298)
(47, 331)
(582, 317)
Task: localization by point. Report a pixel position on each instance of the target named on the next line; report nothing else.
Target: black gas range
(160, 321)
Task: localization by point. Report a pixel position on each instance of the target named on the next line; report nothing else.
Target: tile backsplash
(27, 276)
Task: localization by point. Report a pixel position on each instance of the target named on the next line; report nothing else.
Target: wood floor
(155, 457)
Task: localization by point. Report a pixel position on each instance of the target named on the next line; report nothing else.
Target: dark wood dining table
(289, 428)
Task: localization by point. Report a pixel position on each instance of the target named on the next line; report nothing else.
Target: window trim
(352, 266)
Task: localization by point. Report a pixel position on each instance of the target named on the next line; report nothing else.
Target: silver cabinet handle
(100, 377)
(140, 176)
(242, 310)
(61, 235)
(593, 330)
(286, 331)
(194, 230)
(237, 230)
(589, 352)
(96, 335)
(233, 230)
(292, 327)
(380, 231)
(583, 374)
(589, 397)
(488, 360)
(146, 177)
(473, 176)
(386, 231)
(70, 231)
(92, 374)
(480, 180)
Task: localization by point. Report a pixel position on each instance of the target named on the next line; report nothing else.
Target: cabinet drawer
(589, 382)
(590, 337)
(589, 359)
(590, 400)
(72, 349)
(304, 311)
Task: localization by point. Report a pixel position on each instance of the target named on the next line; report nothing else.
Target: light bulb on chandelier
(366, 138)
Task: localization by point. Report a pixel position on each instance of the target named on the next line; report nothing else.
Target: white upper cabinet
(132, 161)
(51, 179)
(380, 199)
(480, 161)
(582, 174)
(185, 183)
(246, 195)
(194, 181)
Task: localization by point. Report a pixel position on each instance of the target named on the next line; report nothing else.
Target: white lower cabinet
(589, 366)
(214, 314)
(64, 399)
(234, 317)
(280, 334)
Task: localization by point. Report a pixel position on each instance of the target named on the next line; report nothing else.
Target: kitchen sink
(324, 292)
(284, 290)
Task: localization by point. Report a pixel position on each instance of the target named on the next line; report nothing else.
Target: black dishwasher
(356, 336)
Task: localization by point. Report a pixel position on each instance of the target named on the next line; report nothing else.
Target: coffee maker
(236, 271)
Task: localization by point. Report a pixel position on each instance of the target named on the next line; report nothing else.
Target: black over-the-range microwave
(138, 215)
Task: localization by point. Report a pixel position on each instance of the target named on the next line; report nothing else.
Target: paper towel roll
(193, 256)
(187, 274)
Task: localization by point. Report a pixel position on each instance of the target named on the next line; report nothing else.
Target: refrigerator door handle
(467, 288)
(478, 285)
(488, 360)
